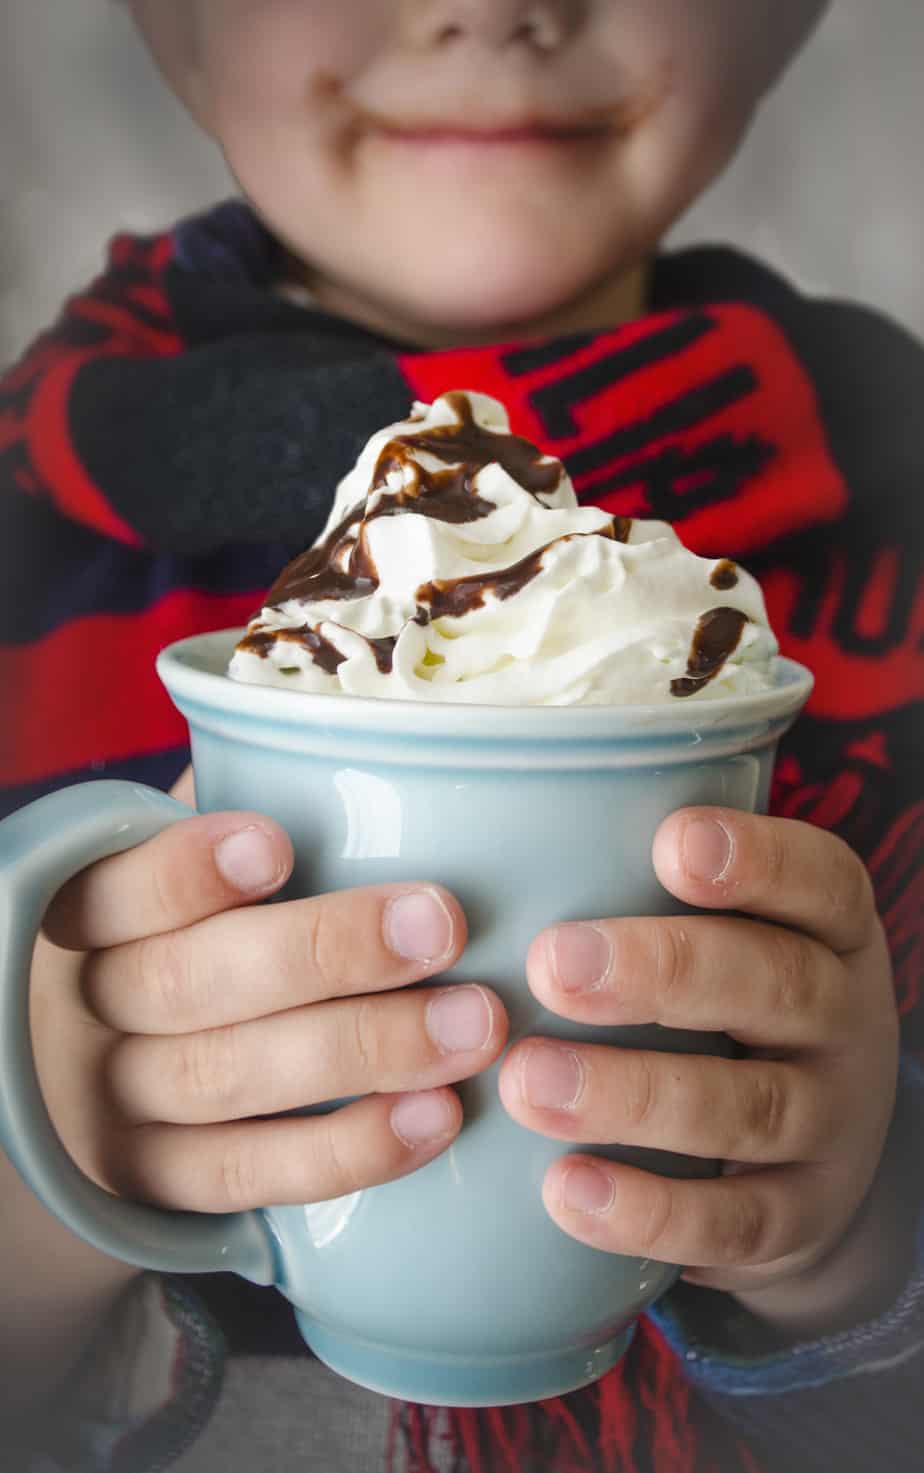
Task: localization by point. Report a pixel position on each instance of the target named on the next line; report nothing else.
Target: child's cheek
(266, 51)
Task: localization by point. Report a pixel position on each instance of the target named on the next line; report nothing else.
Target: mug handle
(42, 846)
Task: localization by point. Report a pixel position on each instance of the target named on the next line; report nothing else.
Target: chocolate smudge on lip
(724, 575)
(450, 598)
(716, 636)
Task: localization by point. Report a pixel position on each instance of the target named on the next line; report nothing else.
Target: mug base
(462, 1381)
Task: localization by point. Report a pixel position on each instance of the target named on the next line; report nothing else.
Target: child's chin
(508, 293)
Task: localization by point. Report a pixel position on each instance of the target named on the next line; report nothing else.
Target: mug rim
(193, 671)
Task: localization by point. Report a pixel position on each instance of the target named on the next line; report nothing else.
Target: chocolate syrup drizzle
(724, 575)
(342, 567)
(467, 447)
(450, 598)
(716, 637)
(324, 654)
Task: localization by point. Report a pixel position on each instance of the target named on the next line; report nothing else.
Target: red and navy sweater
(177, 436)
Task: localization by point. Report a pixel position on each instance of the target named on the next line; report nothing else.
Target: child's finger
(745, 1220)
(409, 1039)
(777, 868)
(190, 870)
(250, 962)
(765, 985)
(748, 1110)
(296, 1159)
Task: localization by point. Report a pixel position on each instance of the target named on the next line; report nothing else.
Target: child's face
(470, 167)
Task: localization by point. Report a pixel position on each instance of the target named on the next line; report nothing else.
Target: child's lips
(538, 127)
(503, 128)
(525, 134)
(530, 146)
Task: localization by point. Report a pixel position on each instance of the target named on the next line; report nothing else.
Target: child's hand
(802, 1120)
(191, 1016)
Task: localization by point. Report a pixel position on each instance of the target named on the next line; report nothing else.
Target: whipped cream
(456, 565)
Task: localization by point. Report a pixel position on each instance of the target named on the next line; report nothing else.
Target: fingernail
(585, 1189)
(417, 1119)
(706, 849)
(247, 860)
(581, 956)
(417, 926)
(552, 1078)
(459, 1020)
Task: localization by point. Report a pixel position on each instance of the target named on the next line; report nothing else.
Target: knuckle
(324, 949)
(762, 1108)
(239, 1176)
(164, 965)
(340, 1175)
(775, 859)
(673, 963)
(640, 1096)
(364, 1039)
(741, 1234)
(808, 983)
(792, 975)
(169, 892)
(206, 1069)
(655, 1234)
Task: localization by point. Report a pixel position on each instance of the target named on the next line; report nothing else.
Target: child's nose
(542, 24)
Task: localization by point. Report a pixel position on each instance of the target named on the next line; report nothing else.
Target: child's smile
(460, 169)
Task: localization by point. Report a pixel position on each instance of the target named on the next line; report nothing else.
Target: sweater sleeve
(123, 316)
(157, 468)
(241, 441)
(141, 1395)
(134, 421)
(850, 1401)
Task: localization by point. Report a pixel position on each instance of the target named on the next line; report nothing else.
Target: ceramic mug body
(453, 1285)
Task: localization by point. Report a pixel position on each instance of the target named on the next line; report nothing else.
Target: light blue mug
(451, 1286)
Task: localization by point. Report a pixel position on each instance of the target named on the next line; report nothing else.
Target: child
(443, 194)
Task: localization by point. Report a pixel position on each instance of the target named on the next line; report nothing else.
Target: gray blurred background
(830, 185)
